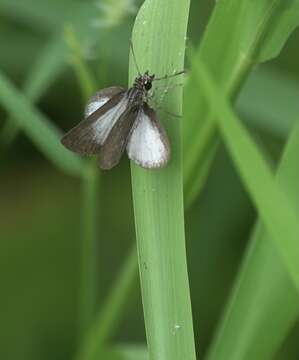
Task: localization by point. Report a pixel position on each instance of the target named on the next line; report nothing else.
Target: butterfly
(118, 119)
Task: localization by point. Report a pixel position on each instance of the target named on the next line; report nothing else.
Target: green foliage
(283, 20)
(273, 207)
(258, 306)
(38, 128)
(76, 57)
(158, 196)
(126, 352)
(113, 12)
(90, 199)
(44, 71)
(275, 99)
(240, 35)
(251, 44)
(107, 319)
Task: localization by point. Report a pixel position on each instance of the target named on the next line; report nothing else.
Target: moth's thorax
(139, 92)
(144, 82)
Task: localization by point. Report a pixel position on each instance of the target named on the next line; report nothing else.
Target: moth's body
(117, 119)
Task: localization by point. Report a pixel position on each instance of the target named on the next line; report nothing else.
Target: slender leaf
(109, 315)
(125, 352)
(86, 80)
(159, 41)
(44, 71)
(38, 128)
(269, 101)
(90, 200)
(88, 281)
(238, 36)
(285, 21)
(275, 211)
(43, 15)
(129, 352)
(264, 300)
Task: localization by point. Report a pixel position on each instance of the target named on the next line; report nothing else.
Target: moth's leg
(176, 73)
(157, 103)
(151, 100)
(167, 88)
(168, 112)
(158, 106)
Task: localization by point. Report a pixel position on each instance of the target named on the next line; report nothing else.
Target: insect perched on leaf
(117, 119)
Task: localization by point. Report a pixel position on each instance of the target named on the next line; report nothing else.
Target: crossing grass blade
(88, 273)
(131, 352)
(45, 70)
(124, 352)
(239, 35)
(85, 78)
(229, 75)
(264, 300)
(107, 318)
(38, 128)
(45, 15)
(269, 101)
(159, 42)
(52, 58)
(88, 293)
(275, 210)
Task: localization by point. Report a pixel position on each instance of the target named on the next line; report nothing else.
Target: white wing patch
(88, 136)
(92, 106)
(103, 125)
(148, 145)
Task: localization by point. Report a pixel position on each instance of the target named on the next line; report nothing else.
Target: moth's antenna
(134, 56)
(170, 76)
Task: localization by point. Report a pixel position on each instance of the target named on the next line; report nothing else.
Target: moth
(118, 119)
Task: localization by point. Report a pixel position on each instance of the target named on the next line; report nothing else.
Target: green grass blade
(90, 199)
(88, 280)
(207, 151)
(109, 315)
(85, 78)
(275, 211)
(125, 352)
(38, 128)
(264, 300)
(159, 41)
(42, 15)
(46, 68)
(131, 352)
(44, 71)
(268, 97)
(281, 25)
(237, 38)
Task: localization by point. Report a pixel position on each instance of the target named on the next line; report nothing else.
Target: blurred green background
(40, 206)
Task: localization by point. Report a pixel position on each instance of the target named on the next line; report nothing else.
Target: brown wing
(115, 144)
(88, 136)
(100, 98)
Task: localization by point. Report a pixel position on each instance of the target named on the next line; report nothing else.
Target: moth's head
(147, 80)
